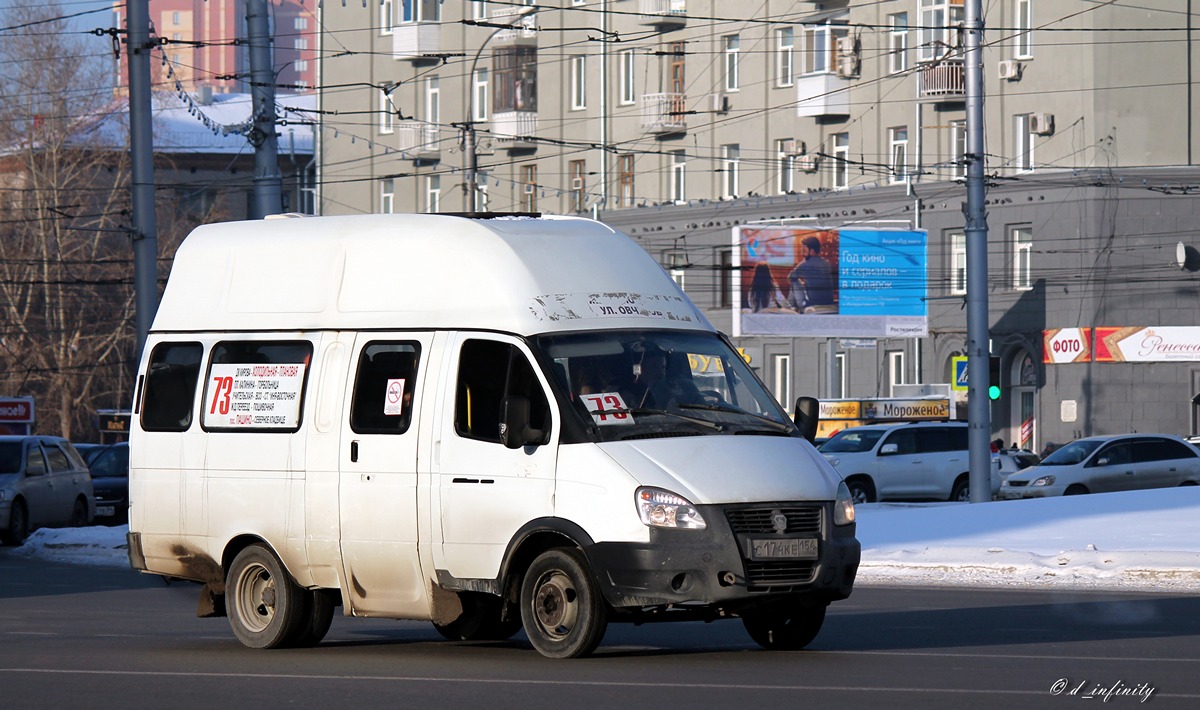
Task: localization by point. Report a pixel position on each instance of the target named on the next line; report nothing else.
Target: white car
(43, 483)
(915, 461)
(1101, 464)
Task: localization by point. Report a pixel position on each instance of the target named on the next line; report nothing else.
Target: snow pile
(1140, 540)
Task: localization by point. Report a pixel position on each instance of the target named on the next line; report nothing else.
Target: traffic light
(993, 378)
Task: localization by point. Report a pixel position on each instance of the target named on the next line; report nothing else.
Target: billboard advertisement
(830, 282)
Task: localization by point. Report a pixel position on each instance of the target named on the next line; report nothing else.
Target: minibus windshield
(644, 384)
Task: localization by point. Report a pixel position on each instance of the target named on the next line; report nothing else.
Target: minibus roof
(415, 271)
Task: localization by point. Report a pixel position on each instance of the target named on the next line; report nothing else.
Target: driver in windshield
(657, 384)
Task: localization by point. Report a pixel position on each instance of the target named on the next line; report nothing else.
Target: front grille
(801, 520)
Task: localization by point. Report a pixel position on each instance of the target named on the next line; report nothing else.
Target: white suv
(922, 461)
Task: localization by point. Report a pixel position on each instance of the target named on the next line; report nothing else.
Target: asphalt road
(81, 636)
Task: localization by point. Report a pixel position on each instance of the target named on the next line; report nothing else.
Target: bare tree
(66, 293)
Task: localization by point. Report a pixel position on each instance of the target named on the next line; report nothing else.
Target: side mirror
(515, 431)
(806, 417)
(889, 449)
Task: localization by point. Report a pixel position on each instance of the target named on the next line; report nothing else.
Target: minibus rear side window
(256, 385)
(171, 386)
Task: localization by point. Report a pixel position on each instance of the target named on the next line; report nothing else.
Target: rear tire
(316, 618)
(18, 524)
(861, 490)
(961, 491)
(781, 628)
(79, 513)
(266, 608)
(561, 608)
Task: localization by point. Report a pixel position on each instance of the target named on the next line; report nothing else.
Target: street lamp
(472, 150)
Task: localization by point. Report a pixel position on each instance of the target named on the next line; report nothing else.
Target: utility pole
(141, 154)
(268, 197)
(979, 426)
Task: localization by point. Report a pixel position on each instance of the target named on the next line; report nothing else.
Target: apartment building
(679, 120)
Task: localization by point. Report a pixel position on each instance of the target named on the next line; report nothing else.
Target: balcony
(524, 26)
(664, 15)
(945, 80)
(416, 41)
(515, 130)
(664, 113)
(418, 140)
(825, 94)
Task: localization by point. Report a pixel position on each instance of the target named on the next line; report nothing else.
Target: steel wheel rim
(555, 604)
(256, 597)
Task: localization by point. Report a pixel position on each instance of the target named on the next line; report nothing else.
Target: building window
(958, 144)
(958, 264)
(1022, 239)
(433, 101)
(515, 79)
(898, 42)
(529, 188)
(1024, 38)
(301, 23)
(479, 9)
(433, 193)
(625, 77)
(678, 176)
(578, 83)
(841, 160)
(578, 197)
(839, 375)
(1023, 143)
(940, 23)
(625, 193)
(387, 119)
(782, 384)
(387, 196)
(786, 161)
(480, 97)
(421, 11)
(898, 140)
(725, 278)
(785, 41)
(386, 18)
(732, 49)
(730, 168)
(820, 48)
(675, 262)
(895, 365)
(174, 18)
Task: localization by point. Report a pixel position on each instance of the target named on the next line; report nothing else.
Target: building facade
(677, 121)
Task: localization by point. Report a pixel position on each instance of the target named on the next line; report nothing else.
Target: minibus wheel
(266, 609)
(785, 627)
(316, 618)
(561, 607)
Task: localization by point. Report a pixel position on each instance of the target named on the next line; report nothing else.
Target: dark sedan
(110, 481)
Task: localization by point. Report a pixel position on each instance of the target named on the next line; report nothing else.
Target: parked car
(109, 465)
(916, 461)
(44, 482)
(1100, 464)
(1009, 461)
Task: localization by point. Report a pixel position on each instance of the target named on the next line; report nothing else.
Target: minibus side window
(487, 372)
(171, 386)
(256, 385)
(383, 388)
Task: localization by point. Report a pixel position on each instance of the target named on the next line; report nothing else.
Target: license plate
(791, 548)
(105, 510)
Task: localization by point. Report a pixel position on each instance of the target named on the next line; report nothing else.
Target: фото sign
(1064, 345)
(843, 282)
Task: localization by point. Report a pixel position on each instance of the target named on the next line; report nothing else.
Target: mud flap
(445, 606)
(212, 600)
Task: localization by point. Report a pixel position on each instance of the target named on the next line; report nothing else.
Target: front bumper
(1022, 492)
(713, 566)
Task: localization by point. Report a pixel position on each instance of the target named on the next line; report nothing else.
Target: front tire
(782, 628)
(861, 491)
(561, 608)
(961, 491)
(266, 608)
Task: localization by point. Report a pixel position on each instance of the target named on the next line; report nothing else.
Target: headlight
(1043, 481)
(843, 506)
(663, 509)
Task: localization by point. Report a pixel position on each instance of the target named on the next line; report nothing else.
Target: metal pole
(268, 198)
(978, 405)
(141, 152)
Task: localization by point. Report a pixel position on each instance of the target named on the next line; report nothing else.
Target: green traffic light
(993, 392)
